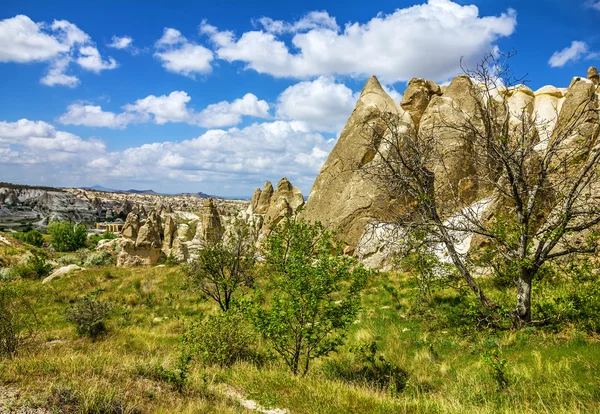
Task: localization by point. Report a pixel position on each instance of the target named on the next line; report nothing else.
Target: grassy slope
(547, 372)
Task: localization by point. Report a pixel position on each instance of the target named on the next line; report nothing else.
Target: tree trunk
(522, 313)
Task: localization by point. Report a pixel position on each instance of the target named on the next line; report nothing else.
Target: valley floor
(451, 367)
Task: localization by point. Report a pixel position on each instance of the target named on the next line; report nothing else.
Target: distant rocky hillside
(37, 206)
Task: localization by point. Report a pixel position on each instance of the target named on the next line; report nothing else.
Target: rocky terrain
(343, 197)
(37, 206)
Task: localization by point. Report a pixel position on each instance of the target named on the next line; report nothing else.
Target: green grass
(549, 369)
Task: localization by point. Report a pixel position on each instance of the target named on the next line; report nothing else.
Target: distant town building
(112, 227)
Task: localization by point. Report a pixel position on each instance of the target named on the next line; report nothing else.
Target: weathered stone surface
(255, 199)
(131, 226)
(132, 256)
(211, 229)
(57, 274)
(149, 235)
(547, 105)
(264, 199)
(416, 97)
(443, 117)
(168, 235)
(578, 117)
(286, 199)
(340, 195)
(592, 74)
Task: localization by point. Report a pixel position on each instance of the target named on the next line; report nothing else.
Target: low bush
(89, 316)
(35, 267)
(99, 259)
(369, 369)
(17, 320)
(221, 339)
(93, 240)
(69, 259)
(33, 237)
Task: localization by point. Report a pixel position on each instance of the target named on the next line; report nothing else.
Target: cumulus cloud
(178, 55)
(168, 108)
(230, 113)
(425, 40)
(120, 42)
(94, 116)
(220, 157)
(577, 51)
(313, 20)
(322, 104)
(61, 43)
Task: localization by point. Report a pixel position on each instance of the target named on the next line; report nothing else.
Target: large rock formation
(37, 206)
(210, 228)
(341, 196)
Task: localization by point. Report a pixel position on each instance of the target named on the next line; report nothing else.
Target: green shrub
(69, 259)
(99, 259)
(177, 375)
(93, 240)
(33, 237)
(35, 267)
(221, 339)
(369, 369)
(313, 293)
(17, 320)
(89, 316)
(67, 236)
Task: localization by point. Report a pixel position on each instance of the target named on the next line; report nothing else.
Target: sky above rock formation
(218, 97)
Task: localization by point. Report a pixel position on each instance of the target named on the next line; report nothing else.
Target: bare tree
(526, 187)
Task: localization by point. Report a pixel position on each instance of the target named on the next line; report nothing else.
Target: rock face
(341, 196)
(211, 229)
(38, 206)
(140, 244)
(58, 273)
(286, 199)
(264, 198)
(169, 235)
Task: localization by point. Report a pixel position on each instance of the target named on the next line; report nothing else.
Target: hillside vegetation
(447, 355)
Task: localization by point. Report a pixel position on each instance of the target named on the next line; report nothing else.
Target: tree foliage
(221, 269)
(67, 236)
(313, 293)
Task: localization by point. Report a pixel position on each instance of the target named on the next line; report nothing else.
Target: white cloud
(180, 56)
(425, 40)
(120, 42)
(164, 108)
(242, 158)
(322, 104)
(90, 115)
(225, 114)
(22, 41)
(313, 20)
(90, 59)
(577, 51)
(60, 44)
(168, 108)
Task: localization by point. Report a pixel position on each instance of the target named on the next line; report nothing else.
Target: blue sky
(195, 96)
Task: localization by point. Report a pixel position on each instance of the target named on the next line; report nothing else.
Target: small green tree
(314, 293)
(17, 320)
(67, 236)
(33, 237)
(221, 269)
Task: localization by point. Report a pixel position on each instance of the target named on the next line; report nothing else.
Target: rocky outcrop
(63, 271)
(168, 235)
(264, 198)
(341, 196)
(286, 200)
(131, 226)
(38, 206)
(210, 228)
(416, 97)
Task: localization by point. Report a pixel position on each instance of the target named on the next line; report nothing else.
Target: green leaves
(67, 236)
(314, 293)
